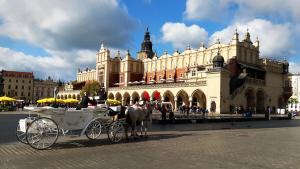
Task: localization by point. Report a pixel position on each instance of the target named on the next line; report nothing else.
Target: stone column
(191, 100)
(131, 100)
(175, 108)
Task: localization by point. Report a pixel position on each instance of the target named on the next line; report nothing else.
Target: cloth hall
(218, 78)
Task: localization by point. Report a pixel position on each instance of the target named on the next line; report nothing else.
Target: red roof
(7, 73)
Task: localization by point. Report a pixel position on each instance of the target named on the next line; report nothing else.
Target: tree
(293, 100)
(91, 88)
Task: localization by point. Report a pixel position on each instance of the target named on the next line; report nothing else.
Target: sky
(55, 38)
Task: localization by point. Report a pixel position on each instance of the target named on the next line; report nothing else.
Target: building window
(194, 73)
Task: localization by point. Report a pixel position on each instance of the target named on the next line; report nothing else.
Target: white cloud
(60, 65)
(70, 31)
(54, 66)
(218, 9)
(68, 24)
(203, 9)
(294, 67)
(181, 35)
(276, 40)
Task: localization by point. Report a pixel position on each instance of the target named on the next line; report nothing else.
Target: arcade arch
(126, 98)
(250, 98)
(199, 99)
(135, 97)
(111, 96)
(182, 98)
(169, 97)
(260, 103)
(118, 96)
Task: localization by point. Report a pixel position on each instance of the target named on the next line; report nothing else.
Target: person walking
(164, 113)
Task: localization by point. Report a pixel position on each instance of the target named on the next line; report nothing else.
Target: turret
(235, 38)
(247, 37)
(218, 60)
(103, 54)
(256, 43)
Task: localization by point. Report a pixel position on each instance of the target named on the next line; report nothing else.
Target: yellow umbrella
(71, 101)
(6, 99)
(113, 102)
(49, 100)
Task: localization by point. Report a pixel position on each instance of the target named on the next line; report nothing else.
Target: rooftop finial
(188, 47)
(219, 50)
(102, 45)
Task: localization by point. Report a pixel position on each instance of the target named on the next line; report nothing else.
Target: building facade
(18, 85)
(295, 83)
(218, 78)
(44, 88)
(70, 90)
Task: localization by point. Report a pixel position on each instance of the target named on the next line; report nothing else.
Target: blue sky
(56, 38)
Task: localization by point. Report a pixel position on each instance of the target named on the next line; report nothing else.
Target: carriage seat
(112, 112)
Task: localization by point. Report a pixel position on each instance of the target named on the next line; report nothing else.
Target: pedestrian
(84, 102)
(164, 113)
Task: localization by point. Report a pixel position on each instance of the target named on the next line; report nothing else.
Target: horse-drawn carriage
(42, 131)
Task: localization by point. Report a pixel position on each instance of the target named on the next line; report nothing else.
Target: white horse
(138, 114)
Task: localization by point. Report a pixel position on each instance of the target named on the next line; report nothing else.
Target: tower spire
(146, 46)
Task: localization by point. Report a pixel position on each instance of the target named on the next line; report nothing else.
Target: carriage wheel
(21, 136)
(42, 133)
(93, 130)
(116, 132)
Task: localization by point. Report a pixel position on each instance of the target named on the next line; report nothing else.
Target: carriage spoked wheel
(42, 133)
(21, 136)
(116, 131)
(93, 130)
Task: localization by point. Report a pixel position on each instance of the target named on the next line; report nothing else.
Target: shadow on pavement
(199, 126)
(105, 142)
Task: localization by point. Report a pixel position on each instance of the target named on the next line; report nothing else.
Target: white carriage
(42, 132)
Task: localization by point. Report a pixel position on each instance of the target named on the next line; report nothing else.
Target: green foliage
(91, 88)
(293, 100)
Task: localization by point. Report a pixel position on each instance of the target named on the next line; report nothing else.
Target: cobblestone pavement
(242, 147)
